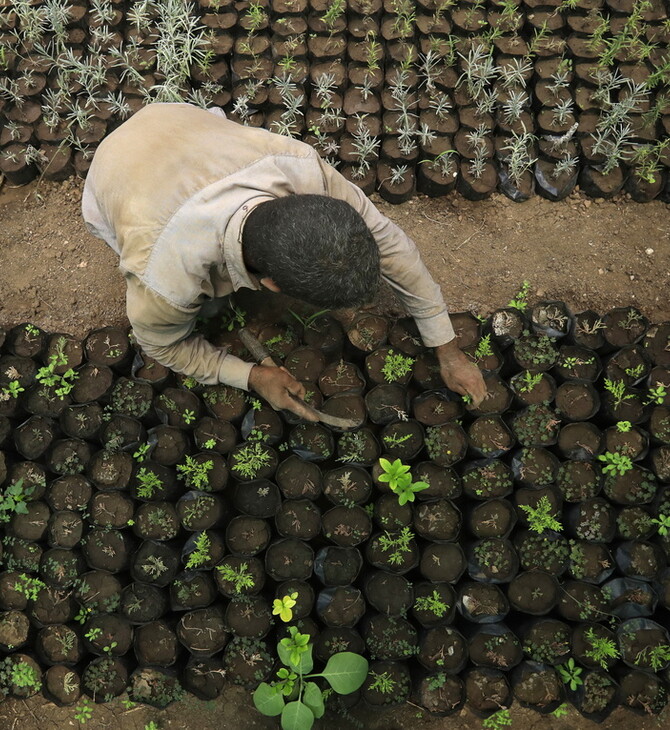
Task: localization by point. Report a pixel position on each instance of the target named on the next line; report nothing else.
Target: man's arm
(164, 332)
(402, 267)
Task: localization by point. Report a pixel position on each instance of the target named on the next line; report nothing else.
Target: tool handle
(258, 351)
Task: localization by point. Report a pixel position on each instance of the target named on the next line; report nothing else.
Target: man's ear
(269, 283)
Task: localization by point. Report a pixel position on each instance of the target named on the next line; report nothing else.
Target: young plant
(569, 673)
(250, 459)
(344, 671)
(148, 483)
(83, 712)
(497, 720)
(195, 472)
(432, 603)
(47, 376)
(624, 426)
(396, 545)
(601, 649)
(141, 453)
(13, 500)
(615, 462)
(540, 517)
(11, 390)
(240, 577)
(656, 395)
(283, 607)
(200, 555)
(663, 523)
(529, 381)
(520, 300)
(397, 476)
(484, 348)
(658, 656)
(617, 389)
(29, 587)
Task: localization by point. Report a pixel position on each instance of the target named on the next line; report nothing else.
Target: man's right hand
(279, 387)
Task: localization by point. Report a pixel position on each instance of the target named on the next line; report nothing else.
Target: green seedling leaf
(301, 663)
(314, 699)
(296, 716)
(346, 672)
(268, 700)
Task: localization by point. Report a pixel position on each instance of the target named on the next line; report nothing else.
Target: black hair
(315, 248)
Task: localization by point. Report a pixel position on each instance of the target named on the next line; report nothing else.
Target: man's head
(314, 248)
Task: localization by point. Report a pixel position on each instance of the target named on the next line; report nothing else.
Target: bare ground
(591, 254)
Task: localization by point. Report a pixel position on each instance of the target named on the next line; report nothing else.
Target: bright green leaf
(303, 665)
(296, 716)
(268, 700)
(314, 699)
(346, 672)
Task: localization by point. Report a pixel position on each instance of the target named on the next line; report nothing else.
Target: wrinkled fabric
(169, 191)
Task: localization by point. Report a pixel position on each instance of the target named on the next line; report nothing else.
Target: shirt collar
(240, 277)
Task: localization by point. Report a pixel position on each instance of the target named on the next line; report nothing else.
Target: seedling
(93, 634)
(209, 444)
(200, 554)
(396, 366)
(563, 709)
(569, 673)
(602, 649)
(617, 388)
(397, 476)
(529, 381)
(520, 300)
(308, 322)
(28, 586)
(540, 517)
(382, 682)
(657, 656)
(13, 500)
(188, 416)
(396, 545)
(250, 459)
(624, 426)
(345, 672)
(498, 720)
(282, 607)
(12, 390)
(141, 454)
(240, 577)
(47, 376)
(615, 462)
(656, 395)
(83, 712)
(432, 603)
(195, 472)
(234, 317)
(663, 523)
(484, 349)
(148, 483)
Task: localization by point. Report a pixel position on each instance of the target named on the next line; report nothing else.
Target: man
(198, 206)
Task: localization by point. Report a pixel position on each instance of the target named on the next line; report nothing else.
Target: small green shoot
(282, 607)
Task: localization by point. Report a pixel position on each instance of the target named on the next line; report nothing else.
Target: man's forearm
(197, 358)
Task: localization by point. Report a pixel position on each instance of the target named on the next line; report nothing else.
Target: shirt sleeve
(164, 332)
(401, 263)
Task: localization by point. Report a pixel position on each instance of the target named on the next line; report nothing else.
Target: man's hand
(459, 373)
(278, 387)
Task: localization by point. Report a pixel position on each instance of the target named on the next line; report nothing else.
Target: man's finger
(297, 389)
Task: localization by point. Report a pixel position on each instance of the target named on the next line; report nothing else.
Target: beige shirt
(169, 191)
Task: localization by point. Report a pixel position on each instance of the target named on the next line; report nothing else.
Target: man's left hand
(459, 373)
